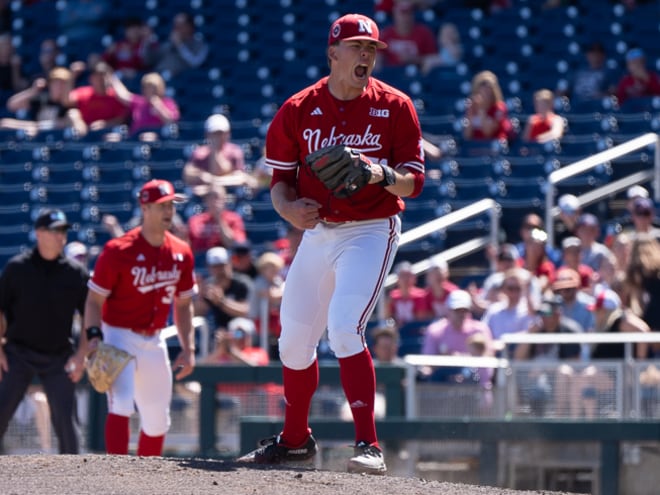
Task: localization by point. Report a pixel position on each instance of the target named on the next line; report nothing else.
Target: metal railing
(442, 223)
(593, 161)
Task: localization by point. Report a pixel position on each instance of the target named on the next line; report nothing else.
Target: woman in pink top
(152, 108)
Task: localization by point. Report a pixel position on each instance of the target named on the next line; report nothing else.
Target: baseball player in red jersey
(349, 243)
(137, 278)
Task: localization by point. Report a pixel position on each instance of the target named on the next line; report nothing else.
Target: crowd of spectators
(583, 285)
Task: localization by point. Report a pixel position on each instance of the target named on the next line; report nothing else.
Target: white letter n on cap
(364, 26)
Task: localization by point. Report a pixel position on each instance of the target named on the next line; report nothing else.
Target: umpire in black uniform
(40, 290)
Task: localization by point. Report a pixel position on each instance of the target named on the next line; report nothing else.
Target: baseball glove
(104, 366)
(341, 169)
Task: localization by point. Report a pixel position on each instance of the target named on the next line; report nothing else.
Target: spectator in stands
(12, 79)
(184, 50)
(266, 297)
(515, 313)
(574, 302)
(127, 55)
(540, 387)
(224, 295)
(593, 80)
(639, 81)
(611, 317)
(569, 213)
(531, 222)
(219, 160)
(571, 247)
(505, 258)
(450, 49)
(536, 261)
(217, 226)
(242, 259)
(46, 105)
(149, 110)
(385, 342)
(643, 280)
(450, 336)
(49, 58)
(438, 288)
(486, 116)
(588, 230)
(407, 302)
(98, 103)
(544, 125)
(236, 345)
(408, 41)
(643, 214)
(84, 23)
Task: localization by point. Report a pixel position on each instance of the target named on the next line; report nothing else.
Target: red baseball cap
(159, 191)
(355, 27)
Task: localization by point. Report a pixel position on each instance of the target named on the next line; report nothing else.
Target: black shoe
(367, 459)
(272, 451)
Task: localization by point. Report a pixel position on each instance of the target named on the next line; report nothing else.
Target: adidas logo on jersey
(140, 257)
(316, 111)
(358, 404)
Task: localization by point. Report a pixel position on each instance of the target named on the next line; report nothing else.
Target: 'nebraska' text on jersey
(381, 123)
(141, 281)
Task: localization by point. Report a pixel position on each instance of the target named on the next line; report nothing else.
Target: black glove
(341, 169)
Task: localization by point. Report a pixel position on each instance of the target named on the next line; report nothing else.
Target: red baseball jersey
(381, 123)
(140, 281)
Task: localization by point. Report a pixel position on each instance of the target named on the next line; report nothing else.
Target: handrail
(593, 161)
(454, 217)
(627, 338)
(198, 322)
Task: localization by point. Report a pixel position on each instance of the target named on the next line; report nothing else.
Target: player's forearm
(281, 194)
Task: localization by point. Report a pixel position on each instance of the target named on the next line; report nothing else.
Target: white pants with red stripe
(334, 281)
(146, 380)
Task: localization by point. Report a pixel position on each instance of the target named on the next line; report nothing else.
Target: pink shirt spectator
(143, 115)
(231, 151)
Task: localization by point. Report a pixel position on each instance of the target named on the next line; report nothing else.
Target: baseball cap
(241, 324)
(507, 252)
(403, 267)
(571, 242)
(634, 54)
(642, 206)
(75, 249)
(605, 299)
(159, 191)
(637, 192)
(355, 27)
(51, 219)
(459, 299)
(569, 203)
(217, 256)
(566, 278)
(440, 263)
(588, 219)
(549, 306)
(217, 123)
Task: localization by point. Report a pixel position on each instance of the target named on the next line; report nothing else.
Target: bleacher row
(263, 51)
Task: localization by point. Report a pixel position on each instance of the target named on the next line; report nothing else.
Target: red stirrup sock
(299, 387)
(358, 379)
(150, 446)
(117, 434)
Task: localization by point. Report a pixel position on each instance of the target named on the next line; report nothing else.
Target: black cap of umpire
(51, 219)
